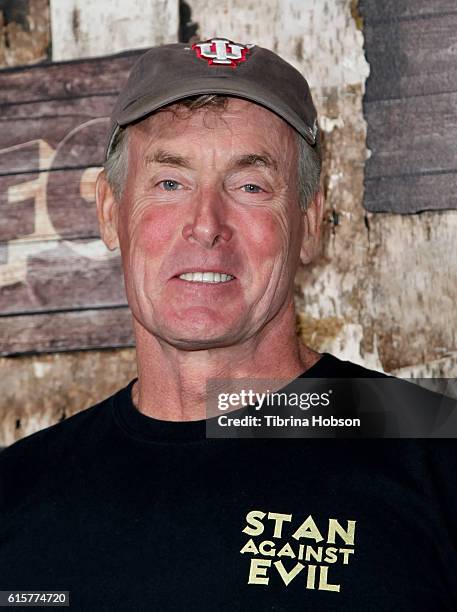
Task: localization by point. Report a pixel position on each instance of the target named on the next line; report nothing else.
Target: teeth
(206, 277)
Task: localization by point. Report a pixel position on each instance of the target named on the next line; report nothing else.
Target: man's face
(211, 192)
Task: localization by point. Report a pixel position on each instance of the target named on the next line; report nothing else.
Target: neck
(172, 383)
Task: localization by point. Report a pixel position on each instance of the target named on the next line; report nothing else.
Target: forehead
(239, 121)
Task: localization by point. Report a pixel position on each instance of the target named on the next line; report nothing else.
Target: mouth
(206, 277)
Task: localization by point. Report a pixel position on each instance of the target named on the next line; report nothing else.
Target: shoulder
(330, 366)
(47, 455)
(55, 437)
(409, 408)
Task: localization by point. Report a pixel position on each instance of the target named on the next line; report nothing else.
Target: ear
(313, 216)
(107, 212)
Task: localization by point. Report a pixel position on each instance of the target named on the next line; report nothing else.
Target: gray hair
(309, 158)
(116, 164)
(309, 170)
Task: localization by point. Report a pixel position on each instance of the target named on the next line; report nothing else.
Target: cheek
(156, 232)
(151, 233)
(267, 235)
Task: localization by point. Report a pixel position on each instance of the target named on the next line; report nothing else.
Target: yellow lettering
(323, 584)
(267, 548)
(346, 552)
(331, 555)
(286, 551)
(258, 571)
(311, 580)
(287, 577)
(347, 535)
(254, 518)
(279, 520)
(316, 554)
(249, 547)
(308, 529)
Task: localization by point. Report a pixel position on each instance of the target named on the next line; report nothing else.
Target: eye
(170, 185)
(250, 188)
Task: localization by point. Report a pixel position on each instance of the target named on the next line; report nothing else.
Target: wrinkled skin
(212, 190)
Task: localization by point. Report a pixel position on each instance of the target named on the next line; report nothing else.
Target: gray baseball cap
(168, 73)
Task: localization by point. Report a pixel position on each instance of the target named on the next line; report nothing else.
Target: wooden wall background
(410, 105)
(381, 292)
(61, 289)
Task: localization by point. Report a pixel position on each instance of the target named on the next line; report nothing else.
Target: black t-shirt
(130, 513)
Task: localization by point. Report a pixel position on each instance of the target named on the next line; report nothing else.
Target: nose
(207, 225)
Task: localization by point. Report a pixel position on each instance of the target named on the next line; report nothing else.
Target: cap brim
(149, 103)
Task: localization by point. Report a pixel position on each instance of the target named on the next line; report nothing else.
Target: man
(211, 193)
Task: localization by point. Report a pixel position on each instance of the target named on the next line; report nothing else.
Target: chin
(200, 337)
(199, 344)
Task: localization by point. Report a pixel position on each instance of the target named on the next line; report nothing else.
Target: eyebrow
(243, 161)
(254, 159)
(170, 159)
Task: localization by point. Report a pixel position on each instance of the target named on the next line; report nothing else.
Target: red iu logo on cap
(221, 52)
